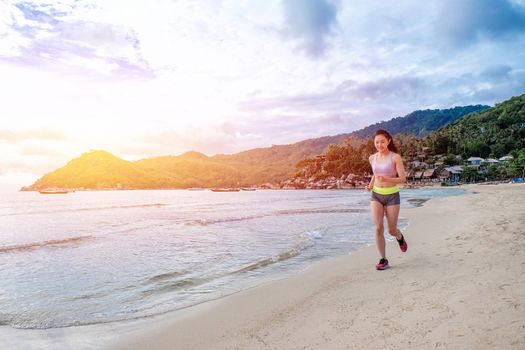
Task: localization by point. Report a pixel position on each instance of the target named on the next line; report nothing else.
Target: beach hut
(475, 160)
(418, 175)
(429, 174)
(415, 175)
(451, 174)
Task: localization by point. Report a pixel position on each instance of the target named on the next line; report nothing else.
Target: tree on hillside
(451, 160)
(516, 167)
(469, 174)
(410, 146)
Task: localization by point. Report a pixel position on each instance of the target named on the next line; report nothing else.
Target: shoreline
(287, 312)
(274, 187)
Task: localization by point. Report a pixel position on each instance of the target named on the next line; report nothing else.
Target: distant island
(428, 140)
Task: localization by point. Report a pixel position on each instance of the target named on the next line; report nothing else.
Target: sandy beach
(461, 285)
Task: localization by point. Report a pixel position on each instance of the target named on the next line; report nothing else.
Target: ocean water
(96, 257)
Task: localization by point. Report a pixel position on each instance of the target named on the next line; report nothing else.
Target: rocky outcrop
(349, 181)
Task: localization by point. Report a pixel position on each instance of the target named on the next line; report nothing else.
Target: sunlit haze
(161, 77)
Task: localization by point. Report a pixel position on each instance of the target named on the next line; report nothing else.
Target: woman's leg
(377, 216)
(392, 214)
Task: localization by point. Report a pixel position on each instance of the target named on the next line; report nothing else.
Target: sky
(149, 78)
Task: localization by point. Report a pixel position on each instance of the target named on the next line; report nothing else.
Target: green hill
(193, 169)
(99, 169)
(279, 162)
(420, 123)
(494, 133)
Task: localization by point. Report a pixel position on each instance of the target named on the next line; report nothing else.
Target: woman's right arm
(371, 184)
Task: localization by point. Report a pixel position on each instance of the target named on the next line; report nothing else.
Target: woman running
(389, 171)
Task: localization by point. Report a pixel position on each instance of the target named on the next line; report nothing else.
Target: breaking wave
(55, 243)
(158, 205)
(205, 222)
(288, 254)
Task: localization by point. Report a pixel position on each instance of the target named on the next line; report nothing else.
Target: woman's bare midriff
(383, 184)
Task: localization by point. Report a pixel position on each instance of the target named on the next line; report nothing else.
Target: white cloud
(219, 76)
(218, 138)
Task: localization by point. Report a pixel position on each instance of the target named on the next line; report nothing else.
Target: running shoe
(383, 264)
(402, 244)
